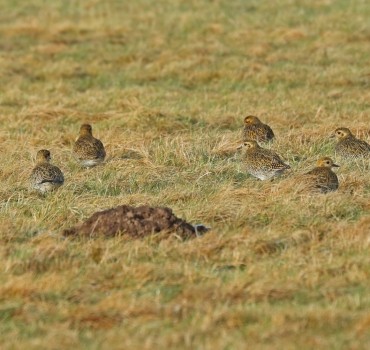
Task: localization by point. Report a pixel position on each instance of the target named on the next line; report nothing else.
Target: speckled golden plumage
(255, 130)
(88, 150)
(262, 163)
(322, 178)
(350, 147)
(45, 177)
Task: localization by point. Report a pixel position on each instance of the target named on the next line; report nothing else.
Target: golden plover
(254, 129)
(349, 146)
(88, 150)
(262, 163)
(45, 177)
(323, 178)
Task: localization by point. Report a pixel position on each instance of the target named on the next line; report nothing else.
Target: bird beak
(240, 147)
(336, 166)
(331, 136)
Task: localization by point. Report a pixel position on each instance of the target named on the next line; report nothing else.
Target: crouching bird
(45, 177)
(88, 150)
(322, 178)
(261, 162)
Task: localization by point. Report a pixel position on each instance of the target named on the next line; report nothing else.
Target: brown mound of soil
(136, 222)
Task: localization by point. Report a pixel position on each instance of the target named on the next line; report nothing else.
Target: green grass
(166, 86)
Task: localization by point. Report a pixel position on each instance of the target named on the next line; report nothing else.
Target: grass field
(166, 85)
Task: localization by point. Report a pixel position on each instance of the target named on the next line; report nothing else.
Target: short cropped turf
(166, 85)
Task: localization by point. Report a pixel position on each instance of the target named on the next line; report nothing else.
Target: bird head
(43, 156)
(341, 133)
(326, 162)
(251, 120)
(249, 144)
(85, 129)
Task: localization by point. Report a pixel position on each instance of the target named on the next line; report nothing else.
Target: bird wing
(98, 145)
(48, 173)
(270, 134)
(272, 160)
(323, 179)
(89, 148)
(364, 146)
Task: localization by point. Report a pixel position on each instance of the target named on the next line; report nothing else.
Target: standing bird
(322, 178)
(349, 146)
(45, 177)
(254, 129)
(88, 150)
(262, 163)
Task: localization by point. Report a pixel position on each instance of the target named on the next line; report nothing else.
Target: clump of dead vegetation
(136, 222)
